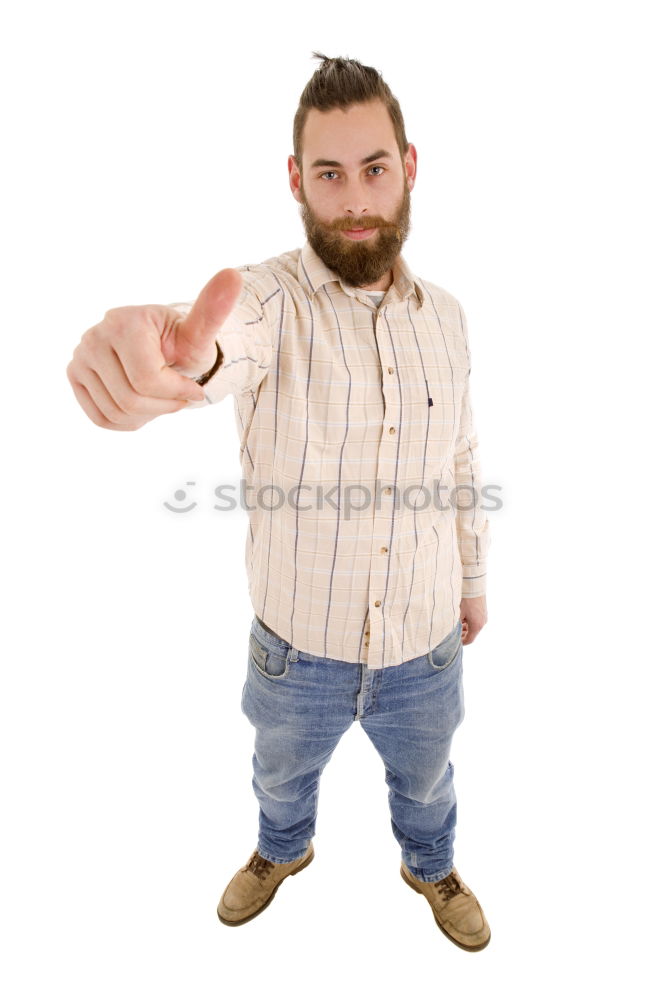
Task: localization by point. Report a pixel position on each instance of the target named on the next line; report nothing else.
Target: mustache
(375, 222)
(339, 224)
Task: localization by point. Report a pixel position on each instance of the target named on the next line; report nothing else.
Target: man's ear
(295, 179)
(410, 165)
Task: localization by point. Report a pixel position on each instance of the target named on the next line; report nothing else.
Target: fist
(139, 361)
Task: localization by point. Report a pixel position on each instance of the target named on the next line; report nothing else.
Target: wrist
(202, 379)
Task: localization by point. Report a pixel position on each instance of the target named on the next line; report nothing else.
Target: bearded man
(350, 377)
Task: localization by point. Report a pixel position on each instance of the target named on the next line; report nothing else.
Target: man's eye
(329, 173)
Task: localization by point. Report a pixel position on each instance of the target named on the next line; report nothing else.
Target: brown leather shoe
(254, 885)
(456, 909)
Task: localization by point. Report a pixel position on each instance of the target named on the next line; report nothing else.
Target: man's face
(354, 179)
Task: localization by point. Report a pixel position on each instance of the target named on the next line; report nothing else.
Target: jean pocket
(266, 661)
(444, 654)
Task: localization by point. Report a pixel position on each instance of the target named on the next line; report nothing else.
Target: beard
(358, 262)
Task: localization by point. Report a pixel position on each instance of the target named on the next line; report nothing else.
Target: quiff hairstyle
(338, 83)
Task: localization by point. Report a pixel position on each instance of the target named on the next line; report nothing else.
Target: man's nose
(355, 199)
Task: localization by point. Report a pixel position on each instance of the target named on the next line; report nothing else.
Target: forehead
(348, 134)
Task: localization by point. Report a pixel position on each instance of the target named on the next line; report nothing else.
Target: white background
(146, 147)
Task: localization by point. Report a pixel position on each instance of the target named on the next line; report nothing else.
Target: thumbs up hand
(139, 361)
(189, 345)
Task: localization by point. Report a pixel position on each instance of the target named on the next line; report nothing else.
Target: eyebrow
(381, 154)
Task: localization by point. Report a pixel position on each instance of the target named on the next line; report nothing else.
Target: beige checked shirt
(359, 458)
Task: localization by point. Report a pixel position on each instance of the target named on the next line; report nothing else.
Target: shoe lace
(259, 866)
(449, 886)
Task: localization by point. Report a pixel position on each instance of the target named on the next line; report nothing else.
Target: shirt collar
(313, 273)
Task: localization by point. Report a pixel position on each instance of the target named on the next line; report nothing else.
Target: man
(351, 383)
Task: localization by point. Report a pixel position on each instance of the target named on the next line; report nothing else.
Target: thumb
(194, 335)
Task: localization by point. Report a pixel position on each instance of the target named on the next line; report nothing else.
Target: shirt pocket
(440, 419)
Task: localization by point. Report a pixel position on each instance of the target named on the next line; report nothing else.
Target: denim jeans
(301, 704)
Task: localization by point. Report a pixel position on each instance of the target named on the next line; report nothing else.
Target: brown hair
(337, 83)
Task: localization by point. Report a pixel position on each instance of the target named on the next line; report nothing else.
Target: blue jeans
(301, 704)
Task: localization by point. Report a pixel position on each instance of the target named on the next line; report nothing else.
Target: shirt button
(390, 371)
(383, 549)
(387, 490)
(367, 643)
(367, 633)
(391, 430)
(377, 603)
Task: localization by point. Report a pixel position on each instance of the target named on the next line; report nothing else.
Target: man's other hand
(473, 615)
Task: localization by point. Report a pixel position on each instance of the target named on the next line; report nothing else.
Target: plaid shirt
(359, 456)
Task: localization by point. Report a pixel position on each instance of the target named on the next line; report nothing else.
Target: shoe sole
(237, 923)
(466, 947)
